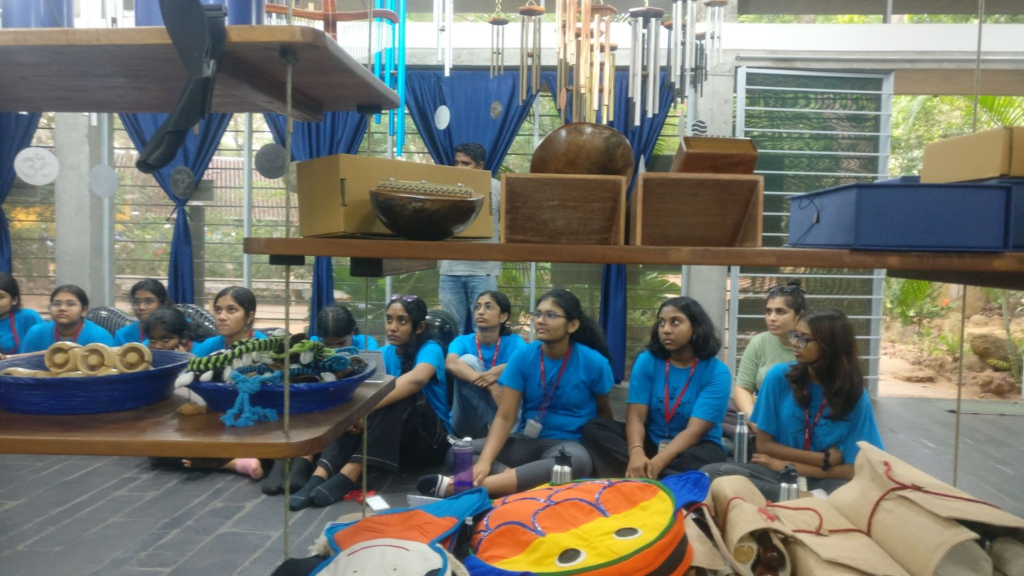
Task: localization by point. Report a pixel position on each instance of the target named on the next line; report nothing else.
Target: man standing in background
(463, 280)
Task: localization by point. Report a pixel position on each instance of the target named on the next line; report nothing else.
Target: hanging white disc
(442, 117)
(271, 161)
(103, 181)
(183, 182)
(495, 109)
(36, 166)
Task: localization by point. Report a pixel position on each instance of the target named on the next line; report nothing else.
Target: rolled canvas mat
(805, 561)
(134, 357)
(740, 511)
(1007, 555)
(94, 358)
(62, 357)
(965, 559)
(705, 554)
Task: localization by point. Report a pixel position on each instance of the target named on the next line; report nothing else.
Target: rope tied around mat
(243, 413)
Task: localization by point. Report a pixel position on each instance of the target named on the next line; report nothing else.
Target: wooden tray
(563, 209)
(708, 155)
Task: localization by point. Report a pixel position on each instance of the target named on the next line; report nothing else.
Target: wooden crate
(713, 155)
(696, 210)
(563, 209)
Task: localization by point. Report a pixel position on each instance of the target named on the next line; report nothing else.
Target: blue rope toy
(243, 413)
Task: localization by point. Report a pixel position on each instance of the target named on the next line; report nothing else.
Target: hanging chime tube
(537, 21)
(451, 23)
(656, 68)
(634, 43)
(524, 30)
(652, 29)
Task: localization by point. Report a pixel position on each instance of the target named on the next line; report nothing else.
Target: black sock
(273, 483)
(303, 498)
(333, 490)
(302, 469)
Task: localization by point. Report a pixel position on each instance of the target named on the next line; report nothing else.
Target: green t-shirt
(763, 352)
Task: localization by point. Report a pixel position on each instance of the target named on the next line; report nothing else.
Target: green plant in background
(1010, 301)
(913, 302)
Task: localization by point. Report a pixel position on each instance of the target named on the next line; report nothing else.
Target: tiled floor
(122, 516)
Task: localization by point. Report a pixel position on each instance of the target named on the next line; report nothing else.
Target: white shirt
(472, 267)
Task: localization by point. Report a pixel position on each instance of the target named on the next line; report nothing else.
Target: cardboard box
(995, 153)
(563, 209)
(334, 193)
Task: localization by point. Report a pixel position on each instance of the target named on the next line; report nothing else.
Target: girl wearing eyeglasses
(561, 381)
(68, 305)
(234, 309)
(146, 296)
(409, 426)
(15, 321)
(477, 362)
(811, 413)
(678, 394)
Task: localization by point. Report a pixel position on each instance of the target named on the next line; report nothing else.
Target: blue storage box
(904, 214)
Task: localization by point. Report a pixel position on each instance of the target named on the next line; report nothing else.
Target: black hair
(241, 295)
(10, 285)
(706, 343)
(171, 319)
(589, 333)
(476, 152)
(335, 321)
(838, 368)
(504, 307)
(416, 308)
(155, 287)
(793, 294)
(83, 299)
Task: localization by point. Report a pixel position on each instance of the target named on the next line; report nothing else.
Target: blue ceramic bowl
(221, 396)
(89, 394)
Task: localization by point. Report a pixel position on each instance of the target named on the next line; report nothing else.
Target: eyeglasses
(799, 340)
(137, 302)
(66, 304)
(549, 315)
(406, 298)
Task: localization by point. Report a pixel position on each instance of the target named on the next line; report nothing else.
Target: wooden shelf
(957, 267)
(158, 431)
(138, 70)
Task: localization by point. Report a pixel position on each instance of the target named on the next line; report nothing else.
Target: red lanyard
(14, 332)
(808, 426)
(545, 398)
(669, 414)
(56, 336)
(494, 360)
(142, 337)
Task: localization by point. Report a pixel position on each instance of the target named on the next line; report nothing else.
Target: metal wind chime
(531, 16)
(714, 17)
(498, 21)
(645, 61)
(687, 62)
(444, 20)
(586, 60)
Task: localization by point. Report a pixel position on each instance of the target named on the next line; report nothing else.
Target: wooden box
(708, 155)
(334, 193)
(997, 153)
(563, 209)
(696, 210)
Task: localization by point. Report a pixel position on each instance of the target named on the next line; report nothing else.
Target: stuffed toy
(599, 527)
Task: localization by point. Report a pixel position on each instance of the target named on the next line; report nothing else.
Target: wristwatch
(825, 466)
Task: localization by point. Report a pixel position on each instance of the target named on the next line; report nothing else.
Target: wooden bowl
(422, 216)
(584, 148)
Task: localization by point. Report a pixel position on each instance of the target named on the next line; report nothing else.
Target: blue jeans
(458, 296)
(474, 408)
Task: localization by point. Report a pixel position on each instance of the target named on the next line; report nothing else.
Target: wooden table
(158, 431)
(138, 70)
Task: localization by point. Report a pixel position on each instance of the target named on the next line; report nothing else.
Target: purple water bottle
(462, 464)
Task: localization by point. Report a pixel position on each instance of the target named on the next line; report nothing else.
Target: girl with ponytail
(561, 382)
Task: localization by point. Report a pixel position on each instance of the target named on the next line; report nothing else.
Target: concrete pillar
(80, 213)
(707, 284)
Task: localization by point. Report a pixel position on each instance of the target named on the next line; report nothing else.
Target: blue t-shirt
(572, 405)
(24, 320)
(360, 341)
(211, 345)
(40, 337)
(707, 397)
(129, 333)
(507, 346)
(777, 414)
(436, 390)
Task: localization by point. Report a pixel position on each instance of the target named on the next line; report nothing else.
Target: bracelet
(825, 466)
(635, 446)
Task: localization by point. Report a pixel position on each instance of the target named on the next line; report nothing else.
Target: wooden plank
(382, 267)
(673, 256)
(697, 210)
(138, 70)
(158, 431)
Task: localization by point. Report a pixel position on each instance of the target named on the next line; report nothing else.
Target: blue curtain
(16, 131)
(337, 133)
(643, 139)
(195, 153)
(470, 95)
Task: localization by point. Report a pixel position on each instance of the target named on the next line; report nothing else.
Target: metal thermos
(789, 484)
(462, 464)
(562, 472)
(741, 448)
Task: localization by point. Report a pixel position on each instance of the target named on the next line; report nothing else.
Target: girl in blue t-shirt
(477, 362)
(811, 413)
(409, 426)
(561, 382)
(678, 393)
(15, 321)
(234, 309)
(68, 305)
(147, 295)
